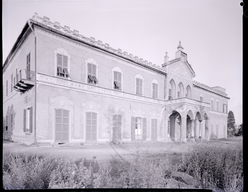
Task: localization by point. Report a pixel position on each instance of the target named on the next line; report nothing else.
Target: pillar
(166, 127)
(203, 129)
(183, 127)
(193, 128)
(196, 128)
(208, 127)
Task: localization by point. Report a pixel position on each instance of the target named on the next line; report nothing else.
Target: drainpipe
(35, 84)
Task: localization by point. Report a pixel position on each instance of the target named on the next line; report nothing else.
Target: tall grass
(215, 168)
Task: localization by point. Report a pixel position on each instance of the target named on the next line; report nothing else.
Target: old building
(59, 87)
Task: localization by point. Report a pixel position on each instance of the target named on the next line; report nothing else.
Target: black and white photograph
(122, 94)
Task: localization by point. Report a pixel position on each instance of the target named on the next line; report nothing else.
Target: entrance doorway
(175, 126)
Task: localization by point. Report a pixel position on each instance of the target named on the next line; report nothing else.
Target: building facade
(61, 87)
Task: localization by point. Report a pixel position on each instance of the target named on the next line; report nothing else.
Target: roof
(211, 89)
(45, 22)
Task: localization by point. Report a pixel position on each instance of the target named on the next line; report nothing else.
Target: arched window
(188, 92)
(172, 90)
(180, 90)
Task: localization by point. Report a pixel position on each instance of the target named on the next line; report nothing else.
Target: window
(172, 90)
(62, 66)
(11, 87)
(91, 126)
(117, 80)
(138, 128)
(154, 90)
(92, 73)
(16, 75)
(7, 88)
(7, 123)
(188, 92)
(28, 66)
(154, 129)
(212, 104)
(201, 99)
(217, 105)
(170, 97)
(180, 90)
(28, 120)
(224, 108)
(116, 128)
(61, 125)
(11, 121)
(138, 86)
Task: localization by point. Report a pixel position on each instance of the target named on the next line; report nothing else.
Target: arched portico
(190, 125)
(174, 126)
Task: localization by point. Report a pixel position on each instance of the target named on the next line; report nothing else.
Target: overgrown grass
(215, 168)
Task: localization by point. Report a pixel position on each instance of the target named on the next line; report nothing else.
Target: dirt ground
(103, 152)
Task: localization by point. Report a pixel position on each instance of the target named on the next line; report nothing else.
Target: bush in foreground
(216, 168)
(205, 167)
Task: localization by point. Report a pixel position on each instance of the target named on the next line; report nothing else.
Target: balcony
(24, 80)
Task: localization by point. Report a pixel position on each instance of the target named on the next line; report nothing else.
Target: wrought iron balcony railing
(24, 80)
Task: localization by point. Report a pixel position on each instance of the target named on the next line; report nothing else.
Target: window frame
(217, 105)
(116, 80)
(85, 126)
(139, 77)
(28, 118)
(152, 89)
(152, 123)
(63, 53)
(212, 104)
(6, 87)
(93, 62)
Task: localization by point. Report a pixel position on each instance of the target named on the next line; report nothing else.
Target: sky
(210, 32)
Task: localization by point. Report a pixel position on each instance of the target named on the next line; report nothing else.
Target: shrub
(21, 171)
(215, 167)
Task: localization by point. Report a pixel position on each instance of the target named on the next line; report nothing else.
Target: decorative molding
(67, 84)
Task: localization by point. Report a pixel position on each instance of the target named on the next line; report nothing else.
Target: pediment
(182, 69)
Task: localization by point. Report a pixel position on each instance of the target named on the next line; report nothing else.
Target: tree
(230, 124)
(240, 132)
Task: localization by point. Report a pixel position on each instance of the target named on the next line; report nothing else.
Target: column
(209, 129)
(196, 128)
(183, 127)
(193, 127)
(203, 129)
(166, 127)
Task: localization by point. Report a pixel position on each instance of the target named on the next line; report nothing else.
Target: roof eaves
(65, 31)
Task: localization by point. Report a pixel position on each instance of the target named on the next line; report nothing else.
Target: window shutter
(24, 120)
(132, 128)
(65, 61)
(59, 60)
(31, 119)
(144, 129)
